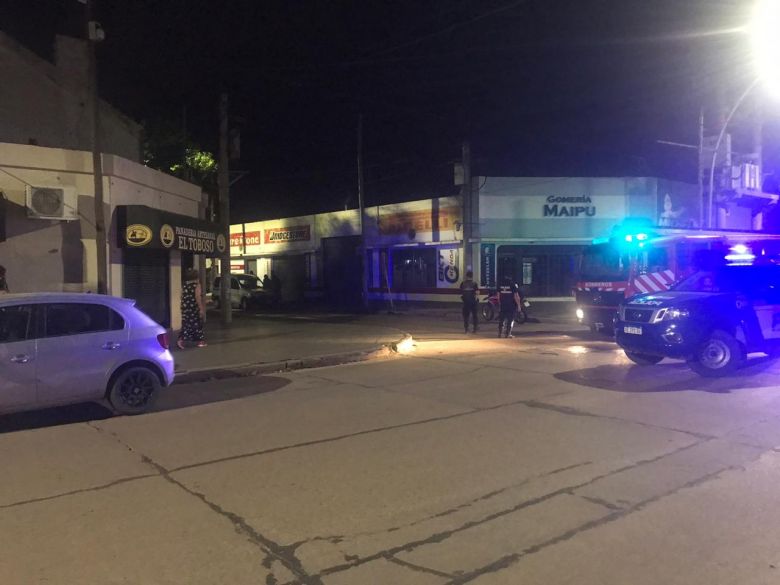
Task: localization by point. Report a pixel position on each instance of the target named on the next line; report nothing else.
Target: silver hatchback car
(59, 348)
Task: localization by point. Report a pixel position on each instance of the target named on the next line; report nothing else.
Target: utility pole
(94, 35)
(468, 222)
(700, 167)
(223, 182)
(360, 186)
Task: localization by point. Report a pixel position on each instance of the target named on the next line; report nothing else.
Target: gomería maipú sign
(569, 207)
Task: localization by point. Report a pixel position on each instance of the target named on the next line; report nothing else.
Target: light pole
(716, 148)
(763, 31)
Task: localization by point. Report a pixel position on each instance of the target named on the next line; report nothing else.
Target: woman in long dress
(192, 311)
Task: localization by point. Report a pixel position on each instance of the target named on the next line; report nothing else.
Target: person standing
(469, 292)
(276, 289)
(509, 303)
(193, 311)
(3, 281)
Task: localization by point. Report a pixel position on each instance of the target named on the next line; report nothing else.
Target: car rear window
(76, 318)
(15, 323)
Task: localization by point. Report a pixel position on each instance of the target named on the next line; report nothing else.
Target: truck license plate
(632, 330)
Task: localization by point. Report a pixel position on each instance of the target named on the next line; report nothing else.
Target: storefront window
(414, 269)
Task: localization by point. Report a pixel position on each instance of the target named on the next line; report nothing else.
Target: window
(15, 323)
(248, 282)
(76, 318)
(414, 269)
(234, 284)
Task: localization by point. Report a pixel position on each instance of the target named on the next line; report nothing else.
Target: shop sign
(448, 265)
(143, 227)
(569, 207)
(299, 233)
(488, 265)
(394, 224)
(248, 239)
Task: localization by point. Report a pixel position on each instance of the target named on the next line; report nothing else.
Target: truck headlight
(580, 314)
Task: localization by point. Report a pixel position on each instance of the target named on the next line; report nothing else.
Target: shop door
(147, 280)
(291, 270)
(342, 271)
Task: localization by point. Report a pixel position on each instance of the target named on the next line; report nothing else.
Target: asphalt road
(544, 459)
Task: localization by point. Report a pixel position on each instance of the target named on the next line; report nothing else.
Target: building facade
(533, 229)
(48, 104)
(47, 233)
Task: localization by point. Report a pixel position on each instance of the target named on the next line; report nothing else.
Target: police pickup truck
(712, 319)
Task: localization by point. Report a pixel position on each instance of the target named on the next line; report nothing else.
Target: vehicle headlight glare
(580, 314)
(677, 314)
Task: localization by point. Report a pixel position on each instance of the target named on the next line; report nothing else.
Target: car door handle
(111, 345)
(20, 359)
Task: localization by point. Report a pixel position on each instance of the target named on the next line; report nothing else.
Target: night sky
(539, 87)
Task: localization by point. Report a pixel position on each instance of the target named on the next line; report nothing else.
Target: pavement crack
(284, 554)
(445, 534)
(326, 440)
(576, 412)
(419, 568)
(600, 502)
(508, 560)
(104, 486)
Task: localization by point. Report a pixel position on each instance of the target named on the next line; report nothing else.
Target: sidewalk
(256, 343)
(281, 342)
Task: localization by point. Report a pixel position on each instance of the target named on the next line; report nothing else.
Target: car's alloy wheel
(134, 390)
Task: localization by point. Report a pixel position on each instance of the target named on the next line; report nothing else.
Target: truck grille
(637, 315)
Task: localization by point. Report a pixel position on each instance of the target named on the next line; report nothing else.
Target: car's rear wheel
(720, 355)
(643, 359)
(134, 390)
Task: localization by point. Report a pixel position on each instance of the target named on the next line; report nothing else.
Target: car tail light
(163, 339)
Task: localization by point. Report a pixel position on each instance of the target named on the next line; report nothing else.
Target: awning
(139, 226)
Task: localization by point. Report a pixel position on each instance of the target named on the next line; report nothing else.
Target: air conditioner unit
(52, 203)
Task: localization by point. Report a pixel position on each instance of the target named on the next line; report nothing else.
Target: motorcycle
(490, 307)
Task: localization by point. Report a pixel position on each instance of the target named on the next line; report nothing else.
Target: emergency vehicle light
(740, 254)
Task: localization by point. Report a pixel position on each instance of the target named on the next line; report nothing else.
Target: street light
(763, 31)
(765, 38)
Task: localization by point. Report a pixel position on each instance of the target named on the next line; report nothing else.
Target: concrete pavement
(545, 459)
(282, 341)
(263, 342)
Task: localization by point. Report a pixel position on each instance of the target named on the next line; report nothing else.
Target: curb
(249, 370)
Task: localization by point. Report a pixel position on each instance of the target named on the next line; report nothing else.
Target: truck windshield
(603, 262)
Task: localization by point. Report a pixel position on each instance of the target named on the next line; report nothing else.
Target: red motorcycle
(490, 307)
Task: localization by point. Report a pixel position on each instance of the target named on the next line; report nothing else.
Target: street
(544, 459)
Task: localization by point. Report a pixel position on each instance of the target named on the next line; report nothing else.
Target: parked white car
(59, 348)
(246, 290)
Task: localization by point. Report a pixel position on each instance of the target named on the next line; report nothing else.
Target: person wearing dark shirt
(509, 303)
(469, 292)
